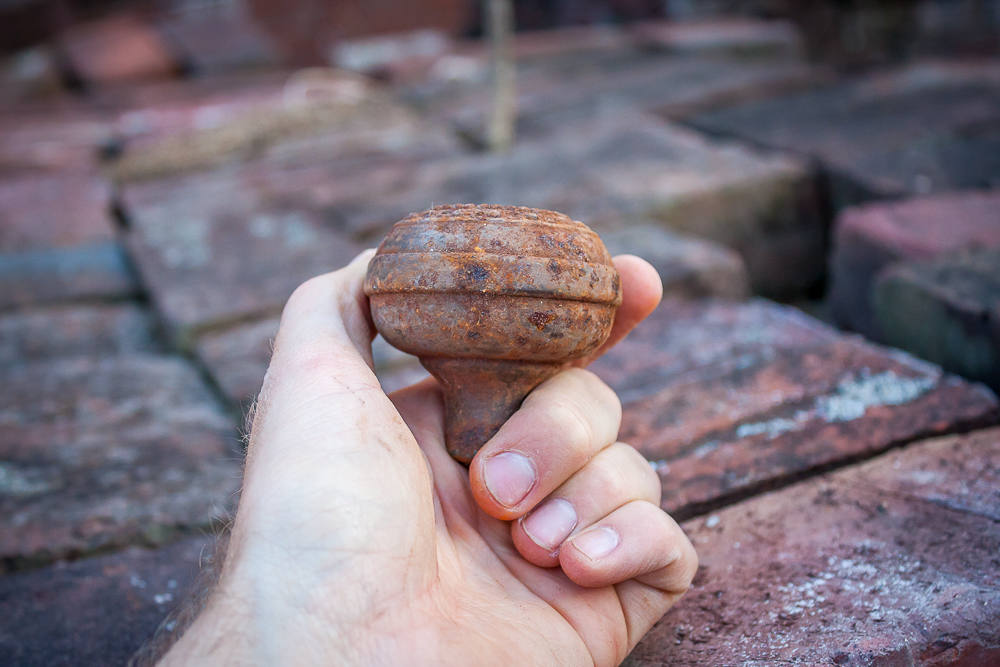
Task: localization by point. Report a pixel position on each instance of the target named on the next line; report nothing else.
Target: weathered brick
(946, 310)
(90, 271)
(103, 453)
(728, 399)
(116, 49)
(681, 339)
(98, 610)
(633, 168)
(81, 330)
(929, 127)
(211, 38)
(893, 562)
(688, 267)
(47, 209)
(213, 249)
(869, 238)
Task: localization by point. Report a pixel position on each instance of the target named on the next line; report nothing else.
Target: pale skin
(358, 540)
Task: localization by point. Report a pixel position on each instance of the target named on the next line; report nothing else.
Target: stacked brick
(152, 231)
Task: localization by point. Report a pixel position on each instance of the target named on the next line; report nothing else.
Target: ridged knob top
(502, 250)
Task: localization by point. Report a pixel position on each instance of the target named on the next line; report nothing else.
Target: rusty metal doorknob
(494, 300)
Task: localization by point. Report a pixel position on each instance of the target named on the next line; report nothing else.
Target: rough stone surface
(78, 330)
(90, 271)
(946, 310)
(104, 453)
(738, 398)
(633, 168)
(929, 127)
(688, 267)
(98, 610)
(869, 238)
(29, 74)
(116, 49)
(64, 208)
(892, 562)
(214, 250)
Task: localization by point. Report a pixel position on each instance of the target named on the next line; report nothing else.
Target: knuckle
(569, 420)
(635, 476)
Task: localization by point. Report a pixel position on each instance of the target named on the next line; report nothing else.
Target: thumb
(330, 462)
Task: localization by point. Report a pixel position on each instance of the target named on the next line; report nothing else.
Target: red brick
(688, 266)
(870, 238)
(116, 49)
(213, 250)
(104, 453)
(729, 399)
(888, 563)
(90, 271)
(64, 208)
(99, 610)
(946, 310)
(83, 330)
(634, 169)
(927, 127)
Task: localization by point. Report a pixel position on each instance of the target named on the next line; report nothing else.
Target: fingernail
(509, 477)
(597, 542)
(549, 524)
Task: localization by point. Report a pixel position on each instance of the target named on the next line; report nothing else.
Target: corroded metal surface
(494, 300)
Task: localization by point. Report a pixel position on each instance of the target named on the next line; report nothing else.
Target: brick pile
(151, 230)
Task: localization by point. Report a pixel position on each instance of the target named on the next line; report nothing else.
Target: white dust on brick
(850, 400)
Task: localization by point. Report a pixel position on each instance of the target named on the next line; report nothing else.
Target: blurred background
(170, 171)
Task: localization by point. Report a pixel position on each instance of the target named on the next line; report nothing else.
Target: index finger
(641, 294)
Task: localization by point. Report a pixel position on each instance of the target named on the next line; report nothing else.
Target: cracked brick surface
(892, 562)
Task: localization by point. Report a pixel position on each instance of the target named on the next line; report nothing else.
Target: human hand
(358, 540)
